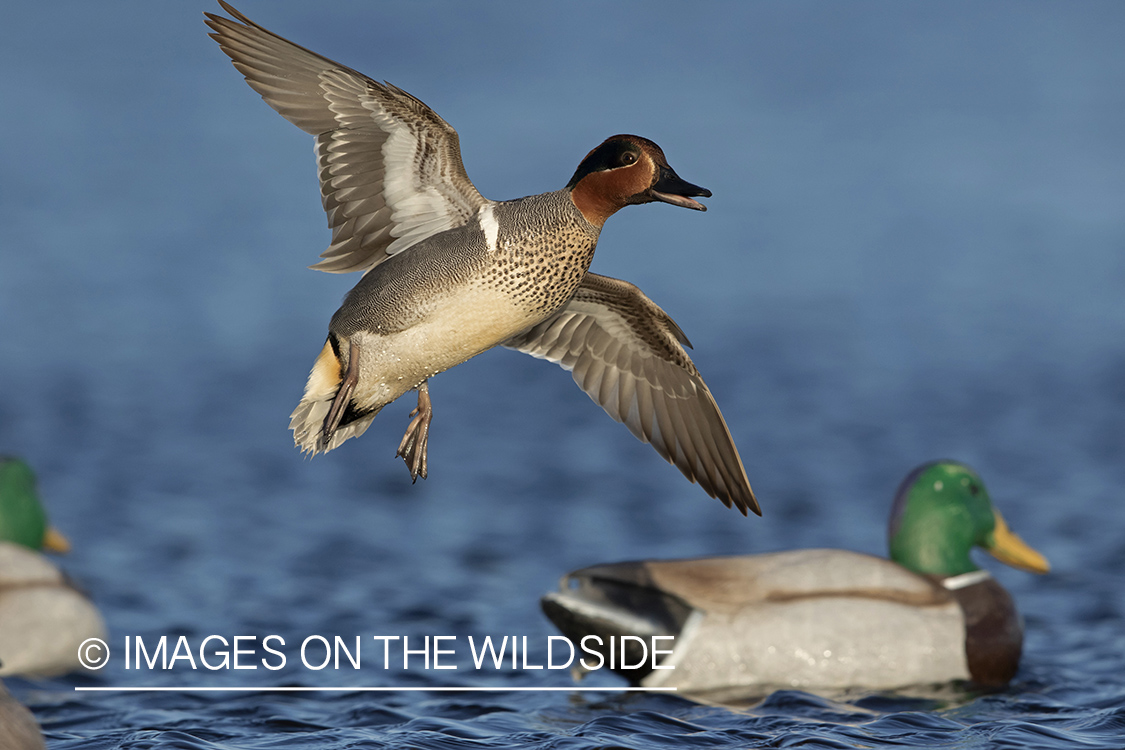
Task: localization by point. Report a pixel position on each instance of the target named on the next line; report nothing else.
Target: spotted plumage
(449, 274)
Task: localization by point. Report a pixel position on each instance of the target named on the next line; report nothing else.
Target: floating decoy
(816, 618)
(43, 617)
(18, 728)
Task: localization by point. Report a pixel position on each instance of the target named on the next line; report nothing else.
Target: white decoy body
(43, 618)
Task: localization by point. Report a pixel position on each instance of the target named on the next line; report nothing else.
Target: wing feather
(629, 357)
(390, 168)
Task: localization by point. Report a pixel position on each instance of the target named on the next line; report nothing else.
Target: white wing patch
(490, 227)
(390, 167)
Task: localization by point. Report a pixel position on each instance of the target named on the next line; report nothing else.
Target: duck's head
(942, 511)
(22, 518)
(624, 170)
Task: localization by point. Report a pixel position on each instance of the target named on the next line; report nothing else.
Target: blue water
(916, 249)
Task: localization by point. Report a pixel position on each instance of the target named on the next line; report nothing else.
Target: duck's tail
(308, 420)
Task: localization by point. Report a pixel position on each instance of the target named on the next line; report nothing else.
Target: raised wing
(390, 169)
(627, 354)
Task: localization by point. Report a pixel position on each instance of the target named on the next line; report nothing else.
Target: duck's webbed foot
(412, 449)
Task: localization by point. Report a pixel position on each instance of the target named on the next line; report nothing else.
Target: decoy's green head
(22, 518)
(941, 511)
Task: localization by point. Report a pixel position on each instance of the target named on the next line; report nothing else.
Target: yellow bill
(1011, 550)
(54, 541)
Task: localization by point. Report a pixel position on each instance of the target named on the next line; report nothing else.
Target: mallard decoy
(449, 274)
(43, 618)
(817, 618)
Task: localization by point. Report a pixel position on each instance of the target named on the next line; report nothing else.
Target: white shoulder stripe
(965, 579)
(490, 226)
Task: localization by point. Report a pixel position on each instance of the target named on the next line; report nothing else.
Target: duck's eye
(628, 158)
(974, 489)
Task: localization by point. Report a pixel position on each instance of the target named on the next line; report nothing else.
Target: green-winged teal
(450, 274)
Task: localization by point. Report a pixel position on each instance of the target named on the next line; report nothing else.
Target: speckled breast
(541, 252)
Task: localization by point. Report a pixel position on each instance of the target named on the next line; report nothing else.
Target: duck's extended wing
(628, 356)
(390, 169)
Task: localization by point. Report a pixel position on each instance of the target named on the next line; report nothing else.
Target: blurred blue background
(915, 249)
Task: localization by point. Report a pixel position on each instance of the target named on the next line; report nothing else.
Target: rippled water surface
(915, 250)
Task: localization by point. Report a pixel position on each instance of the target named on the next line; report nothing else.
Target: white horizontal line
(446, 689)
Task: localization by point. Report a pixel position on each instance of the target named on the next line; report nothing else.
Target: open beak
(671, 189)
(1010, 549)
(54, 541)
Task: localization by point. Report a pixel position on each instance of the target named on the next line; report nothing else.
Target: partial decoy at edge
(18, 728)
(821, 620)
(43, 617)
(449, 274)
